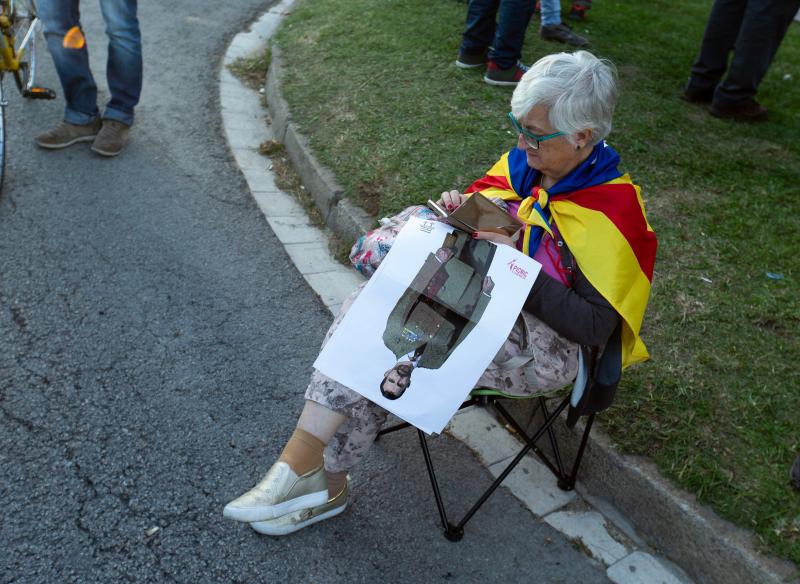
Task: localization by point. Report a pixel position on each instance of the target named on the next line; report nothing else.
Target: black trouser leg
(719, 39)
(763, 27)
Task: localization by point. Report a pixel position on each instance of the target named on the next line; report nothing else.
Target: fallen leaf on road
(148, 533)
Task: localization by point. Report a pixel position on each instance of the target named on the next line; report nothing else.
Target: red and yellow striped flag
(603, 223)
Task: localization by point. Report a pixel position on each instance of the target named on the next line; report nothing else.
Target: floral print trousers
(553, 364)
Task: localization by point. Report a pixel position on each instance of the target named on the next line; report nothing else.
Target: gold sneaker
(297, 520)
(280, 492)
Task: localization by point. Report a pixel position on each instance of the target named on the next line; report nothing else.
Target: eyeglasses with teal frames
(530, 138)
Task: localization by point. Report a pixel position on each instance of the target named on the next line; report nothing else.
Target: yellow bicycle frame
(9, 59)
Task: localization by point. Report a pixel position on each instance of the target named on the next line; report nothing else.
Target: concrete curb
(692, 535)
(346, 220)
(708, 548)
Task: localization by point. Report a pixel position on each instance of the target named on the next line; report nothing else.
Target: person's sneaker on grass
(578, 10)
(562, 33)
(471, 60)
(66, 134)
(496, 75)
(747, 111)
(111, 138)
(297, 520)
(280, 492)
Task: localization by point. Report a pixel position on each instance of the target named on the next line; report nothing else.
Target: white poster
(429, 322)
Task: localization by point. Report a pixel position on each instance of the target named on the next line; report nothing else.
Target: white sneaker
(280, 492)
(297, 520)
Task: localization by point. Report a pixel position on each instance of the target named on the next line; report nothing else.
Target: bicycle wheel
(2, 133)
(24, 26)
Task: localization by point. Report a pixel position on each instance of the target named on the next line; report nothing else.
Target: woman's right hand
(451, 200)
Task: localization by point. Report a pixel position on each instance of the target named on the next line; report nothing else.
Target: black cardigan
(581, 314)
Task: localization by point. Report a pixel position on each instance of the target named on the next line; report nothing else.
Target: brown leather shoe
(64, 135)
(748, 111)
(111, 139)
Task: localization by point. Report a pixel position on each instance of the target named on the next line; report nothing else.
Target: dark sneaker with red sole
(495, 75)
(578, 10)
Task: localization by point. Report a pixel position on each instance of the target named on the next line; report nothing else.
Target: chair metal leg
(548, 421)
(528, 446)
(568, 483)
(470, 402)
(451, 532)
(553, 442)
(391, 429)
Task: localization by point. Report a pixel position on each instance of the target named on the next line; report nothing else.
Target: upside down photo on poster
(427, 324)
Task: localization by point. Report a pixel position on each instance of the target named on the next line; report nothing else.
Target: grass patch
(251, 70)
(372, 84)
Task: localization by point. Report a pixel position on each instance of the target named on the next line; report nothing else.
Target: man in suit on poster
(438, 310)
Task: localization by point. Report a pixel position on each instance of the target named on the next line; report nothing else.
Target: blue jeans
(504, 39)
(551, 12)
(123, 70)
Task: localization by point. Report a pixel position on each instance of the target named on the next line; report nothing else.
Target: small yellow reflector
(74, 38)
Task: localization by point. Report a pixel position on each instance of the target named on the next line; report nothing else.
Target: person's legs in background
(478, 33)
(124, 67)
(763, 27)
(553, 29)
(81, 116)
(503, 65)
(579, 9)
(753, 30)
(719, 38)
(550, 12)
(124, 74)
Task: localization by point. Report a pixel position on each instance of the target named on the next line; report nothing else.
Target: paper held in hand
(429, 322)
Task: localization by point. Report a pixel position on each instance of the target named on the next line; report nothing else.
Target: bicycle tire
(23, 14)
(2, 134)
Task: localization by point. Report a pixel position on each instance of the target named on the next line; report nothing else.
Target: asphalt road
(155, 342)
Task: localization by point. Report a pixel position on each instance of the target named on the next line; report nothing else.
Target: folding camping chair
(566, 482)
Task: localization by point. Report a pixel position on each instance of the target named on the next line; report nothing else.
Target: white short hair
(579, 89)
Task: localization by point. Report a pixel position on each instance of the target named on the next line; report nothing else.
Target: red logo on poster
(516, 270)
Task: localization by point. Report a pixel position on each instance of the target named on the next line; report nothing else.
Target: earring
(577, 146)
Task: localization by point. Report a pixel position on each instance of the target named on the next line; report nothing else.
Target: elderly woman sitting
(585, 224)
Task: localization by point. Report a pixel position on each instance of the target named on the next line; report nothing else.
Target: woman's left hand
(451, 200)
(494, 237)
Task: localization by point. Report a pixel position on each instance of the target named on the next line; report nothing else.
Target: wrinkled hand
(451, 200)
(494, 237)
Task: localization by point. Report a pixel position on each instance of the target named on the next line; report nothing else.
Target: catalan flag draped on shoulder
(599, 213)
